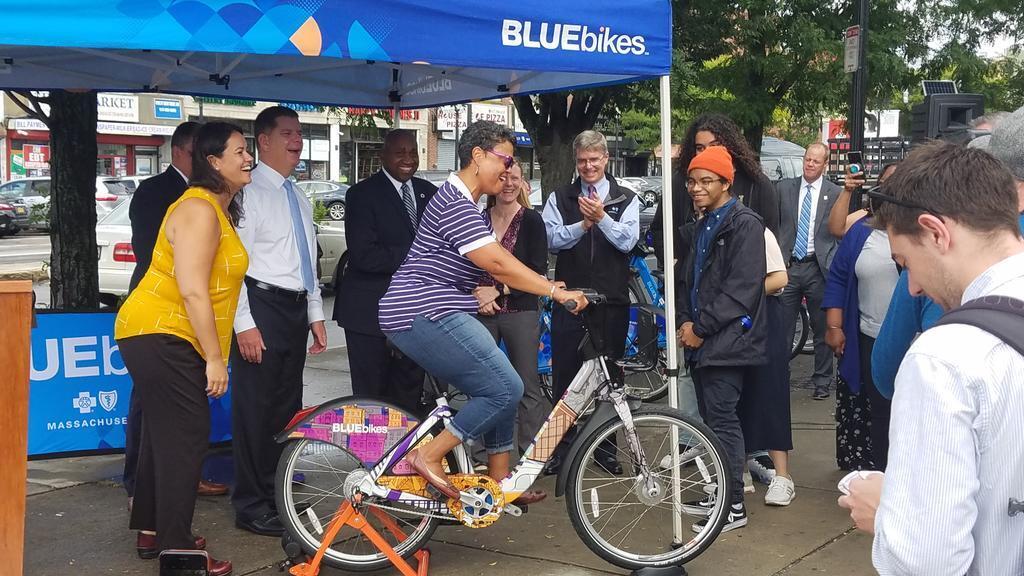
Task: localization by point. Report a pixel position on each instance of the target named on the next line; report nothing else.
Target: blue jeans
(457, 349)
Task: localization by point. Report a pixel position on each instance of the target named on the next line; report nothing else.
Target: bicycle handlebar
(591, 296)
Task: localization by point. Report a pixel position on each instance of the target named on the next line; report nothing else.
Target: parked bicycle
(645, 376)
(347, 497)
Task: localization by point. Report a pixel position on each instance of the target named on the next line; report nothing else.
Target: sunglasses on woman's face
(509, 160)
(876, 198)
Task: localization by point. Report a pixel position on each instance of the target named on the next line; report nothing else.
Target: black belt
(296, 295)
(809, 258)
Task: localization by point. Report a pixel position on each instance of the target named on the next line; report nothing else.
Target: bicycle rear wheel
(628, 521)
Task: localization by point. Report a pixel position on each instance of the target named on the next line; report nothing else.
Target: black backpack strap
(1001, 316)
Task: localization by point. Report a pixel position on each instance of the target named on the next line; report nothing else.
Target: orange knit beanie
(714, 159)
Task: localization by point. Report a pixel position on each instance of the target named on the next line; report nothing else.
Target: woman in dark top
(751, 186)
(513, 316)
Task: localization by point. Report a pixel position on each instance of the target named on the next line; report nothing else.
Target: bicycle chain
(415, 510)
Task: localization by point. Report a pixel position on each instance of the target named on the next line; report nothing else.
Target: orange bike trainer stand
(348, 515)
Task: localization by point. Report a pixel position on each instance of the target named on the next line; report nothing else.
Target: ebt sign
(80, 387)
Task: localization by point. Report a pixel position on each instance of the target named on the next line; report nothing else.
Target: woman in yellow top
(174, 332)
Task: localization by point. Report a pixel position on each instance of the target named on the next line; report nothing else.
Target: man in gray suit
(806, 241)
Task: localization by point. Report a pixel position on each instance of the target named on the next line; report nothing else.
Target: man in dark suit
(806, 241)
(148, 206)
(382, 215)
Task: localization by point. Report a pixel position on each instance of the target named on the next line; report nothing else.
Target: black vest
(594, 262)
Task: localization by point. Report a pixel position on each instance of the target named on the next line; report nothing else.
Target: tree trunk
(74, 275)
(754, 134)
(553, 120)
(557, 163)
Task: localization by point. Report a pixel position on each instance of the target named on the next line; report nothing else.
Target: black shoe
(553, 465)
(267, 525)
(609, 464)
(820, 393)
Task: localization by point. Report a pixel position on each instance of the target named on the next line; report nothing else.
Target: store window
(112, 159)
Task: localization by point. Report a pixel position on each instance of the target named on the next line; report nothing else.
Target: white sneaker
(781, 492)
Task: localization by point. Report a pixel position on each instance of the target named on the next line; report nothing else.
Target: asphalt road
(25, 248)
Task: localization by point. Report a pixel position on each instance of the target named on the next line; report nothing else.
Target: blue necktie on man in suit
(803, 227)
(301, 242)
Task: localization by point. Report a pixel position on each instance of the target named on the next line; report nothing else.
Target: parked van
(781, 159)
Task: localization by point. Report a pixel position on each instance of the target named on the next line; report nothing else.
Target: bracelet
(835, 327)
(553, 288)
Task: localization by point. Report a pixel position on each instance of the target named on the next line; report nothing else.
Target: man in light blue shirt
(592, 225)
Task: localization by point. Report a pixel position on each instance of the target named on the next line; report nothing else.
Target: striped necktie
(410, 203)
(804, 226)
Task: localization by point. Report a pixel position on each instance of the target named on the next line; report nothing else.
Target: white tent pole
(397, 111)
(670, 292)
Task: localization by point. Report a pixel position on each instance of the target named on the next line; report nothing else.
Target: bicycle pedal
(513, 510)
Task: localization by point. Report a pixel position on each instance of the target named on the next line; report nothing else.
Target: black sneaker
(704, 506)
(820, 393)
(737, 519)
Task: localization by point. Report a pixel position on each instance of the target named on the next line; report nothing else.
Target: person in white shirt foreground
(956, 454)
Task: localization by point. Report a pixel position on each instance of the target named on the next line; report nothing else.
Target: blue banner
(413, 53)
(80, 389)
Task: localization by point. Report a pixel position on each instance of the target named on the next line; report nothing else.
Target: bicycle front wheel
(628, 519)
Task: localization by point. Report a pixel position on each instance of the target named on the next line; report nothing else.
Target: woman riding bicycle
(428, 310)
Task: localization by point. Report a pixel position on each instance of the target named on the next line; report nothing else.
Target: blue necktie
(803, 227)
(301, 242)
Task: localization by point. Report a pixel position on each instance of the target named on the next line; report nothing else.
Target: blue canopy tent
(373, 54)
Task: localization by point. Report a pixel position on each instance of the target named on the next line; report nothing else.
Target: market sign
(117, 107)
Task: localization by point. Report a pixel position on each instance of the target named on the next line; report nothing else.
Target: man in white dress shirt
(956, 453)
(278, 307)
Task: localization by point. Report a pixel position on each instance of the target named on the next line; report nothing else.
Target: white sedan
(117, 259)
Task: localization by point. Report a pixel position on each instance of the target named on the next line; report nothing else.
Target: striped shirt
(956, 455)
(437, 279)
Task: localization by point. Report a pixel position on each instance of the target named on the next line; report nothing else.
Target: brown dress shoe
(435, 478)
(530, 497)
(145, 545)
(207, 488)
(218, 567)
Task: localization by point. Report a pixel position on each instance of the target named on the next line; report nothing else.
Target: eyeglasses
(590, 161)
(702, 147)
(703, 182)
(876, 198)
(509, 160)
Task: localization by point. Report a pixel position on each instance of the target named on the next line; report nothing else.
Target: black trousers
(881, 406)
(132, 439)
(377, 372)
(567, 331)
(170, 378)
(718, 392)
(264, 398)
(611, 323)
(807, 281)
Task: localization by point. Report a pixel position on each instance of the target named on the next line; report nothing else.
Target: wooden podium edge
(15, 357)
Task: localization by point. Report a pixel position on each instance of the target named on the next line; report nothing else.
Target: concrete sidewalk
(77, 517)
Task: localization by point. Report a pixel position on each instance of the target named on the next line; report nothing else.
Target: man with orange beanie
(721, 305)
